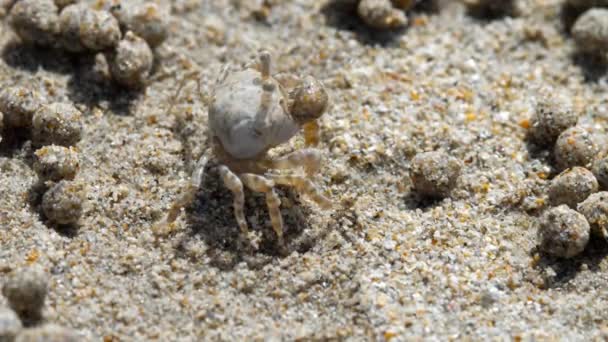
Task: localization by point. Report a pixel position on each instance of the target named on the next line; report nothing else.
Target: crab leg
(235, 185)
(304, 186)
(308, 158)
(186, 196)
(266, 186)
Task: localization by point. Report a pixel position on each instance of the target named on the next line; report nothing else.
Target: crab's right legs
(304, 186)
(308, 158)
(186, 197)
(232, 182)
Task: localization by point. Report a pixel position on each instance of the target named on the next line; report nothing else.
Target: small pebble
(595, 209)
(146, 19)
(54, 163)
(572, 187)
(62, 203)
(563, 232)
(381, 15)
(25, 290)
(554, 114)
(48, 333)
(99, 30)
(600, 171)
(57, 124)
(575, 147)
(10, 325)
(35, 21)
(18, 105)
(132, 61)
(590, 31)
(434, 174)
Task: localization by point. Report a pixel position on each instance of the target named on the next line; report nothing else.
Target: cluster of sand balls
(55, 128)
(554, 123)
(577, 208)
(25, 291)
(590, 30)
(124, 31)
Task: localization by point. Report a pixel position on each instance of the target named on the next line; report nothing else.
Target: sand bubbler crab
(251, 112)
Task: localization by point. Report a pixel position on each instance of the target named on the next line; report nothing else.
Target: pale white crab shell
(234, 115)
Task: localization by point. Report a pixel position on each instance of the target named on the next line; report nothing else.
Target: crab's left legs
(266, 186)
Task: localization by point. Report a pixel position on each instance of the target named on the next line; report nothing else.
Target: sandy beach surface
(382, 264)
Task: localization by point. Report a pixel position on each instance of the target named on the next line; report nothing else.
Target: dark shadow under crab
(211, 216)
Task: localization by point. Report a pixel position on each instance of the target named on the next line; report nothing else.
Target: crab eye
(310, 100)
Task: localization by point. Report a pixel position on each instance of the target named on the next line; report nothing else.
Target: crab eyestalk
(264, 68)
(267, 85)
(265, 64)
(312, 135)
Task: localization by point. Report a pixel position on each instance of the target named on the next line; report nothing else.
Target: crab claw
(309, 100)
